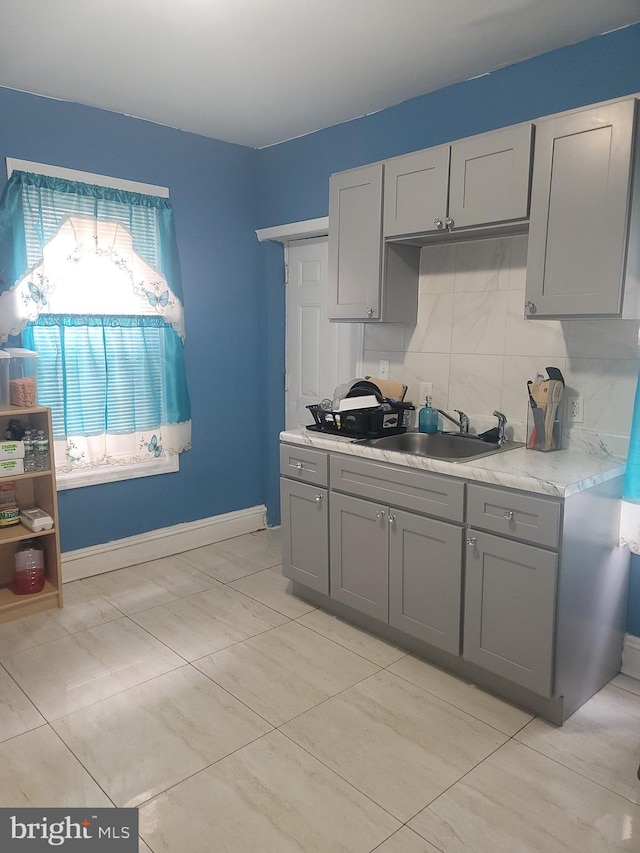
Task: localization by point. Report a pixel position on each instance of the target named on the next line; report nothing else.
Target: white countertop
(560, 473)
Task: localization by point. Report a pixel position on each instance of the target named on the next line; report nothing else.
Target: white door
(319, 354)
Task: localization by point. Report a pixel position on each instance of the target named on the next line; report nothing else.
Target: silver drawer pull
(318, 499)
(508, 516)
(392, 519)
(380, 513)
(471, 540)
(300, 466)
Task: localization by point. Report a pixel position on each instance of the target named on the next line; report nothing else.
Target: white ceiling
(257, 72)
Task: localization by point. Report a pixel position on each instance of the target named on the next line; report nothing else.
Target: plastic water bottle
(29, 451)
(42, 451)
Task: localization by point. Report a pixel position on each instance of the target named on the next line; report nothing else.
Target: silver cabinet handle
(318, 499)
(471, 540)
(380, 513)
(438, 223)
(300, 466)
(449, 223)
(529, 305)
(369, 312)
(392, 519)
(508, 516)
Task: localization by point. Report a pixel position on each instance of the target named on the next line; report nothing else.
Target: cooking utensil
(555, 373)
(532, 440)
(556, 390)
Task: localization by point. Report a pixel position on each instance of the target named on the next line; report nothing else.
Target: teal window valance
(92, 282)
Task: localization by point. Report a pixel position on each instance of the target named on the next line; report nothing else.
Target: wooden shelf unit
(35, 488)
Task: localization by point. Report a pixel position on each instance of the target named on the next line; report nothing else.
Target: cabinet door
(425, 576)
(415, 192)
(305, 534)
(355, 244)
(509, 611)
(490, 177)
(359, 562)
(579, 209)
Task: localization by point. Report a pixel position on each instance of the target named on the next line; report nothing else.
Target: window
(94, 288)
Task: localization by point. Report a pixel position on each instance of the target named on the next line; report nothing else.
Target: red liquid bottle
(29, 572)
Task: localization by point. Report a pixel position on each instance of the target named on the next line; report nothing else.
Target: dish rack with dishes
(385, 419)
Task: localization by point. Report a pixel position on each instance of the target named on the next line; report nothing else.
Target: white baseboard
(631, 656)
(86, 562)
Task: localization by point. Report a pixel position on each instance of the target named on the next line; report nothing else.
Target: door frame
(286, 235)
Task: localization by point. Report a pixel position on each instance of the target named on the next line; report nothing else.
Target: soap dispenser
(428, 418)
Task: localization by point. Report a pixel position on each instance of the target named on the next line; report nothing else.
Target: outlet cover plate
(575, 409)
(426, 390)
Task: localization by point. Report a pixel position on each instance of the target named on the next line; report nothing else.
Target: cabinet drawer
(301, 463)
(404, 488)
(515, 515)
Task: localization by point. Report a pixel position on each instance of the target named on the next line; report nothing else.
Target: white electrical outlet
(383, 369)
(426, 390)
(575, 412)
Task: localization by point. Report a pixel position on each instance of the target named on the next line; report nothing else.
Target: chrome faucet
(462, 424)
(502, 420)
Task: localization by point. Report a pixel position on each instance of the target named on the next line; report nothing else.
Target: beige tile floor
(240, 718)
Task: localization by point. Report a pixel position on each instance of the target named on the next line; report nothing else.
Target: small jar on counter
(9, 511)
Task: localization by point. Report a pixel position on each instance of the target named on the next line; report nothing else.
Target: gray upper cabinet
(477, 181)
(355, 248)
(416, 189)
(581, 203)
(490, 177)
(367, 280)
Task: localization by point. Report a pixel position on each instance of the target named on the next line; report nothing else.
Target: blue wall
(213, 191)
(234, 293)
(294, 175)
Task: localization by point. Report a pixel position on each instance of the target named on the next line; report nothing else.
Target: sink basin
(452, 447)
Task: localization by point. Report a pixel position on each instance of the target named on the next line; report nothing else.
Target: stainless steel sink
(452, 447)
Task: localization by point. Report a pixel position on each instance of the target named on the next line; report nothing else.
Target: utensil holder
(544, 427)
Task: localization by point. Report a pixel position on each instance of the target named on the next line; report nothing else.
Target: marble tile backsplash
(473, 343)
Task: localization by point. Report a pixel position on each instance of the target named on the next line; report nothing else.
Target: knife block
(544, 427)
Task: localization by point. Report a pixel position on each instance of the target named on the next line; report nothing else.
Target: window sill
(116, 473)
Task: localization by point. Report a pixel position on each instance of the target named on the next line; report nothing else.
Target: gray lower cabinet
(425, 579)
(510, 610)
(521, 592)
(305, 534)
(398, 567)
(581, 215)
(359, 561)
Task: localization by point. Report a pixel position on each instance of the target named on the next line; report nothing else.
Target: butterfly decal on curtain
(154, 447)
(38, 294)
(162, 300)
(155, 295)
